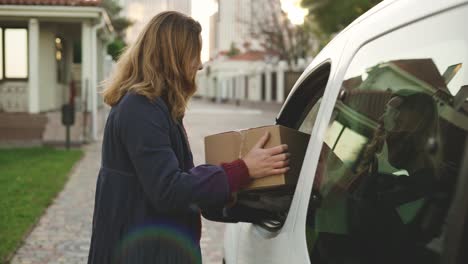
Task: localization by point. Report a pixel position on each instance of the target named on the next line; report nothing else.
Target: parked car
(384, 178)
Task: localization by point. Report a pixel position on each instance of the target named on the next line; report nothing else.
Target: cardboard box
(229, 146)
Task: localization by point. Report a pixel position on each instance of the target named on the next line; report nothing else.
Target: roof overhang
(39, 11)
(56, 13)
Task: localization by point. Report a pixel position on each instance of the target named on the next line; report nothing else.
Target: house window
(13, 53)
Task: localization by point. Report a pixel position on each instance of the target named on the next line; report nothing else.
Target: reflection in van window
(309, 121)
(392, 153)
(349, 143)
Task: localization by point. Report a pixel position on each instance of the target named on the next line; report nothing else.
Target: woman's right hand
(263, 162)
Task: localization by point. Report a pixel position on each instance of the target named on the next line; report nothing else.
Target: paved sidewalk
(63, 233)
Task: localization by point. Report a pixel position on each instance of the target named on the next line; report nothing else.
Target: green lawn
(29, 180)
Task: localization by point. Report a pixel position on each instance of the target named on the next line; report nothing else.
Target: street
(62, 234)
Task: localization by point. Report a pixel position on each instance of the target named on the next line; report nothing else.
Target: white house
(251, 75)
(52, 52)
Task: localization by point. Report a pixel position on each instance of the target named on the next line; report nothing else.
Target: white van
(385, 176)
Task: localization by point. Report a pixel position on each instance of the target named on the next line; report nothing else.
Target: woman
(149, 195)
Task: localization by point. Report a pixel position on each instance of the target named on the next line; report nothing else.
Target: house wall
(52, 92)
(49, 91)
(14, 96)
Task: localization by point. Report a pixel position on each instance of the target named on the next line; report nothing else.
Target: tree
(233, 50)
(278, 35)
(120, 24)
(115, 48)
(331, 16)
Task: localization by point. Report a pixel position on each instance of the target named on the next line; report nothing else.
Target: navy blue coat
(148, 193)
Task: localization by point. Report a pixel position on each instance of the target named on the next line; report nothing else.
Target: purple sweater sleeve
(237, 174)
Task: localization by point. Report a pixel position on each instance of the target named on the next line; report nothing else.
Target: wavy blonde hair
(160, 63)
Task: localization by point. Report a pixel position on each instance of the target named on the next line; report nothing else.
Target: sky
(203, 9)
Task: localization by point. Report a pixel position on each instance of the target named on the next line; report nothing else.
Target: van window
(272, 206)
(296, 112)
(393, 148)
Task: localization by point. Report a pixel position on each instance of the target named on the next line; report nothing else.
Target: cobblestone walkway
(63, 233)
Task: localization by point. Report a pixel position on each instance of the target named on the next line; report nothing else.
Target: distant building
(237, 22)
(184, 6)
(141, 11)
(255, 73)
(213, 42)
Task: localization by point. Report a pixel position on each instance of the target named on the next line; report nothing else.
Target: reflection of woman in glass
(409, 122)
(384, 208)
